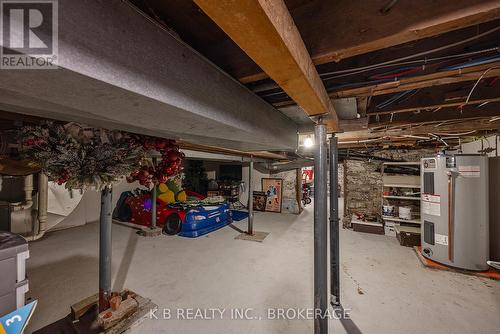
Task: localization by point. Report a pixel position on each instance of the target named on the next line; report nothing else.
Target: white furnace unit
(454, 210)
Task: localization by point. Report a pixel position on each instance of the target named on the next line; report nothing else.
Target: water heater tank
(454, 210)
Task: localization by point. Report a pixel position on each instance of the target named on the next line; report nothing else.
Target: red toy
(186, 220)
(162, 171)
(167, 216)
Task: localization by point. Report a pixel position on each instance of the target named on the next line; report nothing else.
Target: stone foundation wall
(363, 182)
(340, 169)
(405, 155)
(289, 204)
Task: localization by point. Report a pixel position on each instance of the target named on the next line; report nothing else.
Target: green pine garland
(79, 156)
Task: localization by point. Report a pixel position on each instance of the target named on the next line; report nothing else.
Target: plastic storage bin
(13, 285)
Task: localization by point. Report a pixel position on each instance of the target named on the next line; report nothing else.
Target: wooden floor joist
(349, 36)
(435, 106)
(452, 126)
(267, 33)
(445, 114)
(418, 131)
(422, 81)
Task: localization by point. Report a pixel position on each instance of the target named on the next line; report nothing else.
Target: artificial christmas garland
(80, 156)
(151, 174)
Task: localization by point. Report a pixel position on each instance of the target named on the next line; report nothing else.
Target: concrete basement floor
(383, 283)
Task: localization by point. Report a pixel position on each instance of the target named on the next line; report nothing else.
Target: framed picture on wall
(273, 188)
(259, 201)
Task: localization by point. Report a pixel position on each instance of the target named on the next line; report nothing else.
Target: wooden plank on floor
(80, 308)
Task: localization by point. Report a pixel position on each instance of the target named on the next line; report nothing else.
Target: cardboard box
(368, 227)
(408, 236)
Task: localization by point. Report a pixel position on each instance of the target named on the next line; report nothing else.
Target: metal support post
(105, 249)
(43, 199)
(320, 230)
(250, 198)
(334, 224)
(154, 198)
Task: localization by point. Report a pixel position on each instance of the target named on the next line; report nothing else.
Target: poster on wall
(273, 189)
(259, 201)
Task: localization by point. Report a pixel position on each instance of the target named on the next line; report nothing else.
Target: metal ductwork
(269, 167)
(276, 167)
(118, 69)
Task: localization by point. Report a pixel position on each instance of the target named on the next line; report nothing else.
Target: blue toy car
(201, 220)
(185, 219)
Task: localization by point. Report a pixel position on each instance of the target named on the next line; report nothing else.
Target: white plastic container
(405, 212)
(390, 231)
(21, 290)
(21, 265)
(13, 283)
(388, 210)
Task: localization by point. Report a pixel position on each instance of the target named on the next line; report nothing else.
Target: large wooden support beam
(422, 81)
(351, 28)
(267, 33)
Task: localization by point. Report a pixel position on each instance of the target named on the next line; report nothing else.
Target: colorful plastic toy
(186, 219)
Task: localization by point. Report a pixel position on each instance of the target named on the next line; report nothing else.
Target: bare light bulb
(308, 142)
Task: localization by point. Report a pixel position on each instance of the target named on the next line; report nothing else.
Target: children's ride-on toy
(190, 219)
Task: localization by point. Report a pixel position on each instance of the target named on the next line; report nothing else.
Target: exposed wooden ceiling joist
(437, 98)
(352, 28)
(444, 114)
(362, 105)
(411, 134)
(267, 33)
(452, 126)
(422, 81)
(437, 106)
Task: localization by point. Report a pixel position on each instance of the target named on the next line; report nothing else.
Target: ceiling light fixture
(308, 142)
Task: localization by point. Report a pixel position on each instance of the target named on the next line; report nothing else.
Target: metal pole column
(334, 224)
(320, 230)
(153, 199)
(250, 198)
(105, 249)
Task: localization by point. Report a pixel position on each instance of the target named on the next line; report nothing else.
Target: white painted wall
(475, 146)
(59, 202)
(88, 208)
(256, 181)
